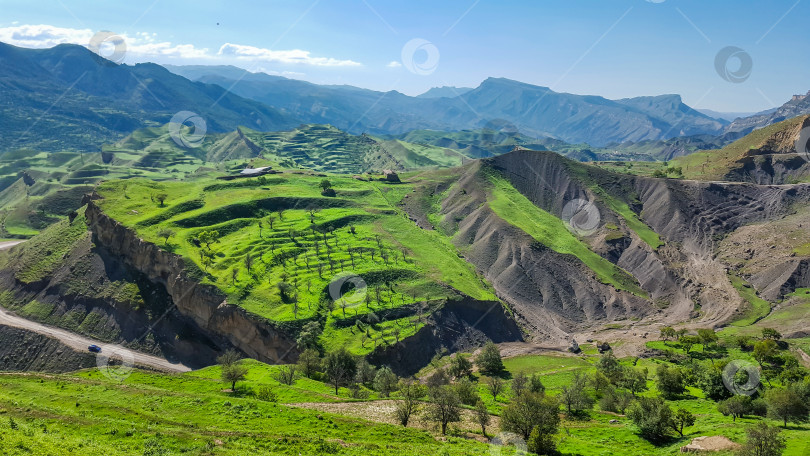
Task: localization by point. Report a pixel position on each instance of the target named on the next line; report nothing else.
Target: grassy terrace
(550, 231)
(312, 240)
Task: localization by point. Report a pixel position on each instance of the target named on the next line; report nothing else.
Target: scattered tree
(519, 383)
(309, 335)
(309, 362)
(340, 367)
(460, 366)
(771, 334)
(652, 416)
(687, 342)
(682, 418)
(444, 407)
(482, 416)
(495, 386)
(764, 350)
(286, 374)
(161, 198)
(467, 391)
(574, 396)
(785, 404)
(410, 392)
(165, 233)
(670, 381)
(736, 406)
(707, 336)
(489, 360)
(208, 237)
(668, 332)
(763, 440)
(233, 373)
(385, 381)
(529, 411)
(248, 261)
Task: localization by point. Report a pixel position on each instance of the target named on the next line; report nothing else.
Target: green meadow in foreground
(87, 413)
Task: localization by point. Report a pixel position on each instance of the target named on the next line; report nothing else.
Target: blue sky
(613, 48)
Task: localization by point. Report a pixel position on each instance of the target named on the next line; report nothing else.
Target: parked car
(94, 348)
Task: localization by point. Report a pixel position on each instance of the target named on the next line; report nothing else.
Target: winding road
(9, 244)
(80, 343)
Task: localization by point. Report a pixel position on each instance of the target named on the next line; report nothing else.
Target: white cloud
(140, 45)
(394, 64)
(294, 56)
(144, 46)
(43, 36)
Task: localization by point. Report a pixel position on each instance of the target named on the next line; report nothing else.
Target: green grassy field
(88, 414)
(314, 240)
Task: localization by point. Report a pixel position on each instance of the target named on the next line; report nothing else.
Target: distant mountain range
(797, 106)
(727, 116)
(68, 97)
(445, 92)
(533, 110)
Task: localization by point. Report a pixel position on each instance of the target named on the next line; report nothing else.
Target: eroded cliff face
(205, 305)
(553, 295)
(459, 325)
(556, 296)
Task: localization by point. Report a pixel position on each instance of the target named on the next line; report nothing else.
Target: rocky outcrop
(460, 325)
(205, 305)
(26, 351)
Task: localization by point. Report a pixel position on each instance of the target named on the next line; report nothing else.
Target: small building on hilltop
(390, 176)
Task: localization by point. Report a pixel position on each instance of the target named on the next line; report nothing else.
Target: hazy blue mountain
(728, 116)
(444, 92)
(68, 97)
(797, 106)
(535, 111)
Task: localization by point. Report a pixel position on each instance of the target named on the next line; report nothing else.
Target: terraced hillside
(36, 187)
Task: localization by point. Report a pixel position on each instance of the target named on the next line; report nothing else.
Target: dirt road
(9, 244)
(81, 343)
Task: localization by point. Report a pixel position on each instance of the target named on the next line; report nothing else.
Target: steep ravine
(205, 305)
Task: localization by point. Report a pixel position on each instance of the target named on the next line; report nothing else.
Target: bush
(467, 391)
(265, 393)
